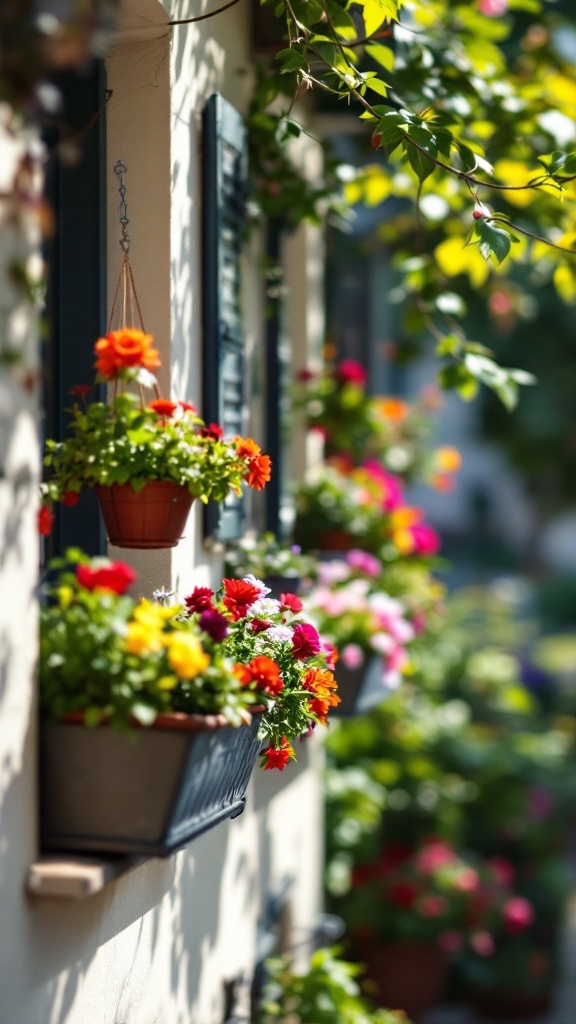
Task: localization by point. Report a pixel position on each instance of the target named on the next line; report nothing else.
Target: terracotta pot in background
(408, 975)
(154, 517)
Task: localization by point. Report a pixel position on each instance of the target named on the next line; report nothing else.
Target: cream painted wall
(156, 946)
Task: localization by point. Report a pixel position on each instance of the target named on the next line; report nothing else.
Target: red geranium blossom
(238, 597)
(264, 672)
(163, 406)
(70, 498)
(199, 600)
(213, 430)
(81, 390)
(290, 603)
(278, 757)
(188, 407)
(116, 577)
(259, 625)
(305, 641)
(45, 521)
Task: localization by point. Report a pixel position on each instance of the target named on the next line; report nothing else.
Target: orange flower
(259, 472)
(263, 671)
(448, 459)
(319, 681)
(125, 349)
(163, 406)
(405, 517)
(247, 448)
(442, 482)
(393, 409)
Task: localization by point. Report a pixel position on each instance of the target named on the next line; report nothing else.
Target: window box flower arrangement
(146, 462)
(369, 629)
(280, 566)
(341, 506)
(198, 688)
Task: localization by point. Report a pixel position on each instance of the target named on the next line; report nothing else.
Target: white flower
(264, 607)
(281, 634)
(260, 586)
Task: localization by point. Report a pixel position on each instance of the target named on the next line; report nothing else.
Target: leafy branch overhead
(469, 111)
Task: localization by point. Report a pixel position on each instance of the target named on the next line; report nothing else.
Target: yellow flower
(167, 682)
(448, 458)
(404, 517)
(153, 615)
(185, 655)
(65, 594)
(404, 541)
(141, 639)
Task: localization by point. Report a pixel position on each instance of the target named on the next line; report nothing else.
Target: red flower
(212, 430)
(264, 672)
(259, 472)
(278, 757)
(351, 372)
(81, 390)
(402, 894)
(116, 577)
(290, 603)
(70, 498)
(238, 597)
(259, 625)
(214, 623)
(187, 407)
(45, 521)
(305, 641)
(199, 600)
(305, 375)
(163, 407)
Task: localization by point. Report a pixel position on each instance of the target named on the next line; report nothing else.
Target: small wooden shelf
(65, 876)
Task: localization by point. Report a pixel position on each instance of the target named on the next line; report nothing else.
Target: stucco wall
(157, 945)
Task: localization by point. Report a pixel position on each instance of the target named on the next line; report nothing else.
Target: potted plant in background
(411, 910)
(153, 716)
(146, 462)
(326, 993)
(279, 566)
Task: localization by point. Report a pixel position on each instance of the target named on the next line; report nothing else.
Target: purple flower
(214, 623)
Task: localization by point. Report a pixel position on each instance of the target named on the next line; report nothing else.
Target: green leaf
(378, 86)
(494, 241)
(449, 346)
(383, 55)
(420, 163)
(291, 60)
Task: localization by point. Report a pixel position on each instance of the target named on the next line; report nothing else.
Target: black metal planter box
(148, 792)
(359, 689)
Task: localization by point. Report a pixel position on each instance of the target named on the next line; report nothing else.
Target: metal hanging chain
(125, 280)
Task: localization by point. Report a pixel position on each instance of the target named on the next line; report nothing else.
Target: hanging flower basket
(154, 517)
(149, 791)
(360, 688)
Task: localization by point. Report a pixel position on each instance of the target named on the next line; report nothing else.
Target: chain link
(120, 170)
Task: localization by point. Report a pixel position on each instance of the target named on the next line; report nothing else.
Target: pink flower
(305, 641)
(352, 655)
(364, 562)
(466, 880)
(502, 869)
(290, 603)
(392, 493)
(518, 914)
(434, 855)
(199, 600)
(493, 8)
(482, 943)
(426, 540)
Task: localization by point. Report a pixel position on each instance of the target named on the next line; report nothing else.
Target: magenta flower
(305, 641)
(199, 600)
(213, 623)
(518, 914)
(351, 372)
(426, 540)
(364, 562)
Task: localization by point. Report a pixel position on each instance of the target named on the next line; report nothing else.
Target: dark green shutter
(225, 169)
(76, 278)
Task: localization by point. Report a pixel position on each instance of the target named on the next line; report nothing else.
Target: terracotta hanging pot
(154, 517)
(408, 975)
